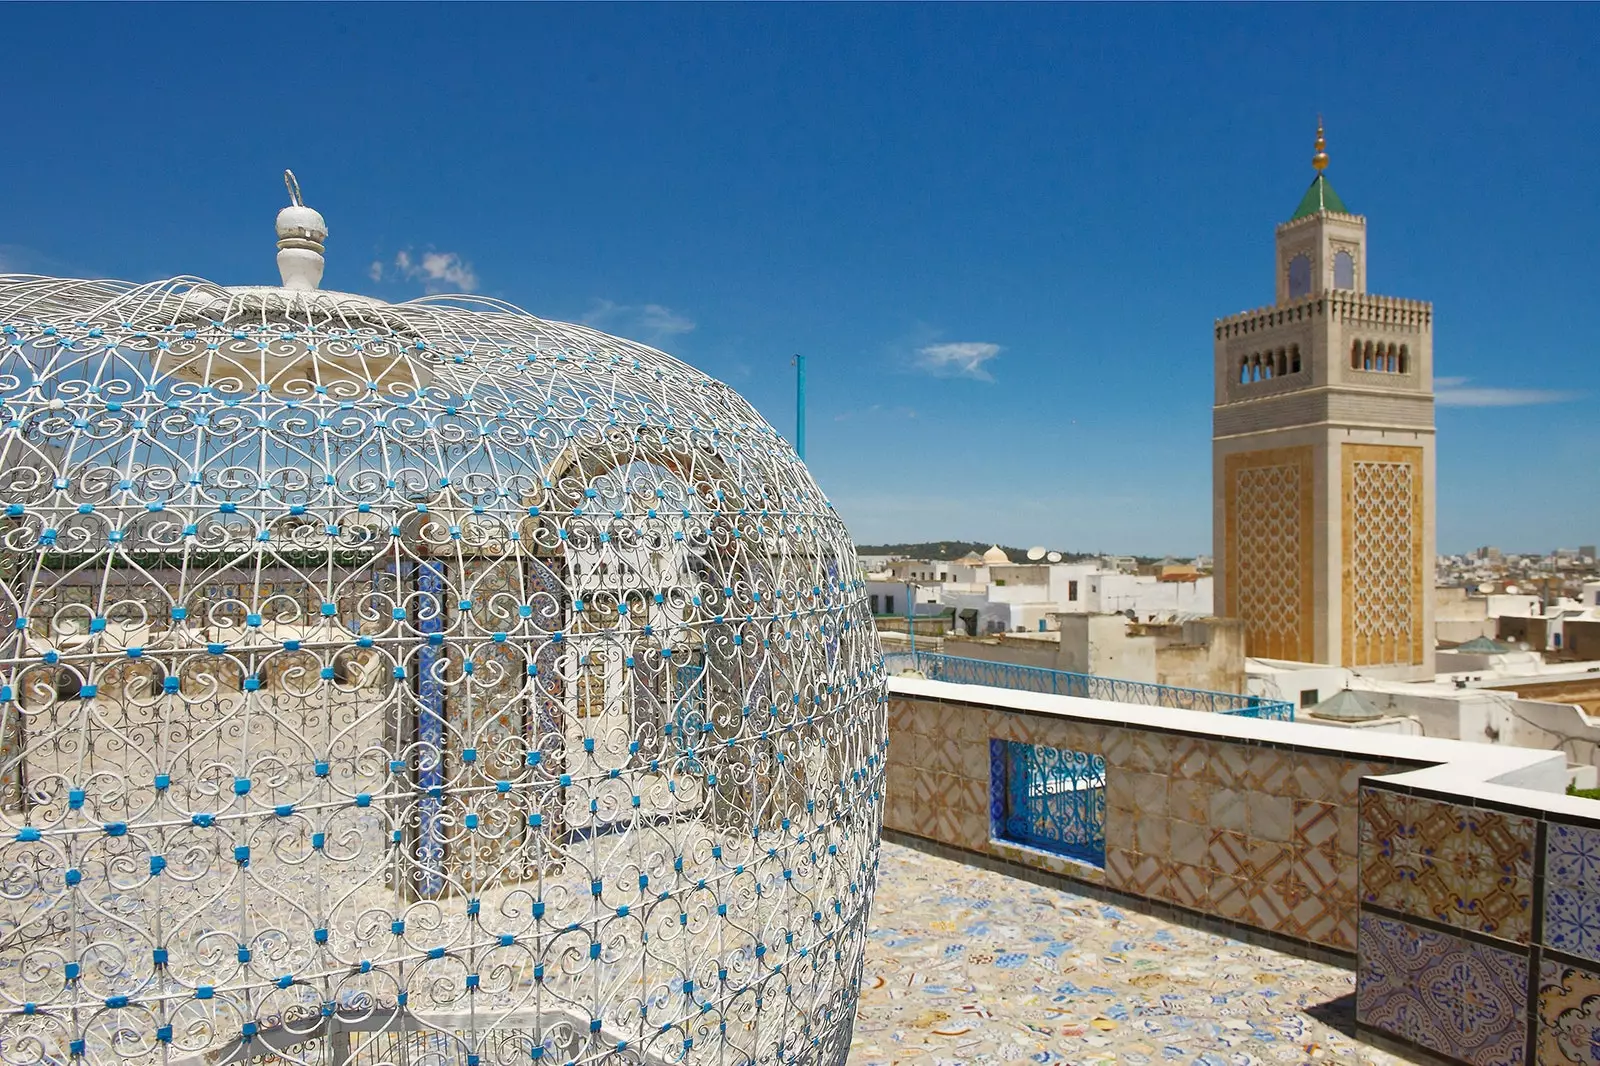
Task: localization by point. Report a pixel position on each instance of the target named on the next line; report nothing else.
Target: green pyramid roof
(1484, 644)
(1346, 706)
(1320, 197)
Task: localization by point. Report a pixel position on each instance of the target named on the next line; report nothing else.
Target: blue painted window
(1048, 798)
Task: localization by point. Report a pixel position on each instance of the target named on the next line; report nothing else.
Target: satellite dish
(1511, 590)
(1035, 554)
(1054, 557)
(1486, 587)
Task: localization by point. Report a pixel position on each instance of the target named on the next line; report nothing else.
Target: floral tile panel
(1572, 890)
(968, 966)
(1452, 995)
(1466, 866)
(1569, 1015)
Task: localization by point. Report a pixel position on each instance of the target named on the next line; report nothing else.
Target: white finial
(301, 232)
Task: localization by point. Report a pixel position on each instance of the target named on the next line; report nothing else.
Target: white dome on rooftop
(403, 640)
(995, 557)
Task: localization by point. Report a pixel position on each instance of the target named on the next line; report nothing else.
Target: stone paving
(968, 966)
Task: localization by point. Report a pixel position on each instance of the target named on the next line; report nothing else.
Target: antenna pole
(800, 406)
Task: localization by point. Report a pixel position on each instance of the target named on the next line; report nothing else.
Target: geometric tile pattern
(1382, 528)
(970, 966)
(1569, 1015)
(1449, 994)
(1267, 539)
(1465, 866)
(1250, 833)
(1572, 890)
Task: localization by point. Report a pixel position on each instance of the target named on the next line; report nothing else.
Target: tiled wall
(1258, 835)
(1480, 928)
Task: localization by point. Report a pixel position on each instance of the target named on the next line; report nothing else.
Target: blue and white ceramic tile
(1572, 918)
(1449, 994)
(1572, 855)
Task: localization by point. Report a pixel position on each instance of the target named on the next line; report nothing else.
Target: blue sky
(1000, 234)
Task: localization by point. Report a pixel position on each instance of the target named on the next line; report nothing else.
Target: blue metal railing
(1055, 799)
(1064, 683)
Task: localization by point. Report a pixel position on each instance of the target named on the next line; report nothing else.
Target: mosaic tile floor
(969, 966)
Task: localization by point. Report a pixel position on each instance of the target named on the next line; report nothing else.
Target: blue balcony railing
(1064, 683)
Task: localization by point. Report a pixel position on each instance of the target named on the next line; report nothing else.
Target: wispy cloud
(17, 259)
(1455, 392)
(437, 271)
(964, 359)
(877, 410)
(651, 321)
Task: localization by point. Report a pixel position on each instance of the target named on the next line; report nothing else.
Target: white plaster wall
(1279, 683)
(1146, 595)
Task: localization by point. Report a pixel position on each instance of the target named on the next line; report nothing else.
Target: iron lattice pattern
(1382, 584)
(415, 669)
(1267, 536)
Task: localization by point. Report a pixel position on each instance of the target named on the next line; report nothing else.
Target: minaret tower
(1322, 456)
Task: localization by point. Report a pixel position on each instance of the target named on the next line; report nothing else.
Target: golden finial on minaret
(1320, 160)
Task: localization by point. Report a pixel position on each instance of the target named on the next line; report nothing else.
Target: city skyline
(1001, 237)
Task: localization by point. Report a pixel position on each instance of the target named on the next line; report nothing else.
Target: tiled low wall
(1246, 822)
(1479, 931)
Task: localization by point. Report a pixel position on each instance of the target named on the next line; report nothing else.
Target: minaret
(1323, 455)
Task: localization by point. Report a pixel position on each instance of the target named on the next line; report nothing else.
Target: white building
(993, 594)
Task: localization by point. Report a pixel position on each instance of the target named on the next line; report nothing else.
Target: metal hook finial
(289, 182)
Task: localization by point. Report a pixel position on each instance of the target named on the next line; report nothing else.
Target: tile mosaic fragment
(966, 966)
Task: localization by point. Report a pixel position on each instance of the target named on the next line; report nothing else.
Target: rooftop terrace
(1445, 890)
(972, 966)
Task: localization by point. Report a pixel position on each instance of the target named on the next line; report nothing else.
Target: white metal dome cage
(421, 683)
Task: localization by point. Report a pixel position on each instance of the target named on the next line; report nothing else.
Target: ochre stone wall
(1382, 537)
(1268, 515)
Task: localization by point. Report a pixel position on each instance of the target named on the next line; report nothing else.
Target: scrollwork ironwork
(427, 658)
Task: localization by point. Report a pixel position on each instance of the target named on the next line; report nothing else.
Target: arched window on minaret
(1244, 369)
(1294, 359)
(1299, 276)
(1283, 361)
(1394, 356)
(1366, 357)
(1404, 358)
(1344, 270)
(1355, 355)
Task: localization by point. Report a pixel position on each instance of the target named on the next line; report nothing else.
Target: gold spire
(1320, 160)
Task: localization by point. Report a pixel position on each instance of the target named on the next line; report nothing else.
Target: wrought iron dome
(420, 682)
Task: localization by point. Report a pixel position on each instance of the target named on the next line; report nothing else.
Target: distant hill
(954, 549)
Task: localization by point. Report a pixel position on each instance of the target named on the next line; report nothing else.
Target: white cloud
(958, 359)
(438, 271)
(877, 410)
(15, 259)
(653, 321)
(1454, 392)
